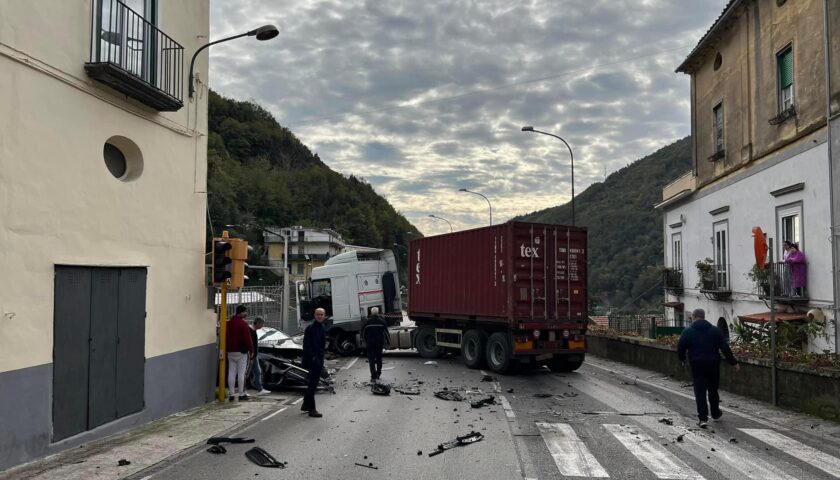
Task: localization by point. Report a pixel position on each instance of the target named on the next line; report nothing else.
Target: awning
(764, 317)
(676, 305)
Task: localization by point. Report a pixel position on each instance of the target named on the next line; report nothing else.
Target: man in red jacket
(239, 349)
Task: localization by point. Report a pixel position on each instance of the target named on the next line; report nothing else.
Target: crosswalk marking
(812, 456)
(570, 454)
(658, 460)
(736, 458)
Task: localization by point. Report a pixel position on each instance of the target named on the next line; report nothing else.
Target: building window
(300, 269)
(784, 60)
(789, 219)
(717, 118)
(676, 252)
(721, 255)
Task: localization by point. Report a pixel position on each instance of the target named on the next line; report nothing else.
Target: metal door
(71, 335)
(131, 345)
(102, 377)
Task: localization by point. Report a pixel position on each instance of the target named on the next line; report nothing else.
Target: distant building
(308, 248)
(104, 314)
(760, 158)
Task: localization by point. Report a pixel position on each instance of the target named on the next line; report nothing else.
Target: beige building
(103, 313)
(760, 158)
(308, 248)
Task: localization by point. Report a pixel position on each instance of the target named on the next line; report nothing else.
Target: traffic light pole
(220, 395)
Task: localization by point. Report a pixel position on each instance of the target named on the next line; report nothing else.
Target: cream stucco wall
(59, 205)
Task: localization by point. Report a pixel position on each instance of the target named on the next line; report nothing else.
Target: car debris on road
(467, 439)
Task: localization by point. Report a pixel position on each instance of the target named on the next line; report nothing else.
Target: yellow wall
(60, 205)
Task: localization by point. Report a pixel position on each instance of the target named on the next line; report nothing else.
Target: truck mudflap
(528, 344)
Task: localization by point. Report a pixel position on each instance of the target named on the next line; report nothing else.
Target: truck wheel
(561, 364)
(345, 344)
(473, 348)
(499, 355)
(426, 344)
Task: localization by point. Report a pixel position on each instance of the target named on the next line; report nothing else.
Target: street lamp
(445, 220)
(266, 32)
(480, 195)
(571, 155)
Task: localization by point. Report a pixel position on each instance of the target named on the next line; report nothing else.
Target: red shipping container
(516, 273)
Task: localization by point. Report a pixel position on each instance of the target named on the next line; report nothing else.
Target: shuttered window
(717, 114)
(785, 65)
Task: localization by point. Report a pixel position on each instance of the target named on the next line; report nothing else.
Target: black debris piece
(123, 462)
(467, 439)
(680, 438)
(219, 440)
(488, 400)
(686, 385)
(666, 421)
(419, 452)
(488, 378)
(510, 390)
(543, 395)
(370, 465)
(217, 449)
(263, 458)
(733, 440)
(449, 395)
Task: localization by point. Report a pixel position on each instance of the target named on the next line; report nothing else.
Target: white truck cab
(347, 287)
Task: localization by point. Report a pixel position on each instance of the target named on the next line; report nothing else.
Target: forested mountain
(259, 172)
(625, 232)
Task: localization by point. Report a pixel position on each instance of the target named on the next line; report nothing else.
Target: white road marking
(809, 455)
(570, 454)
(273, 414)
(297, 401)
(349, 365)
(506, 406)
(661, 462)
(736, 458)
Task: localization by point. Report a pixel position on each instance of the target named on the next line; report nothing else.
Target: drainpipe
(835, 221)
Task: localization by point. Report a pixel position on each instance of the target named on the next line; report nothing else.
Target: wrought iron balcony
(672, 279)
(131, 55)
(715, 284)
(783, 288)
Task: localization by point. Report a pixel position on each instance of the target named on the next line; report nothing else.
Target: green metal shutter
(785, 60)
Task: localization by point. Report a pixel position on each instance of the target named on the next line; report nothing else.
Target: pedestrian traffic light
(221, 260)
(239, 256)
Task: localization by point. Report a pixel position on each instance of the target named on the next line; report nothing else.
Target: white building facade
(104, 322)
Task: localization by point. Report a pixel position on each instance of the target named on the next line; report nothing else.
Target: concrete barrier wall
(799, 389)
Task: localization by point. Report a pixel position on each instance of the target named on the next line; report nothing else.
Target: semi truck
(503, 296)
(506, 296)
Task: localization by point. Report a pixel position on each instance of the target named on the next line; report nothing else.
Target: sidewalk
(151, 443)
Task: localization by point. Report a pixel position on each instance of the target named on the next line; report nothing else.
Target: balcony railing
(672, 279)
(783, 281)
(715, 284)
(132, 56)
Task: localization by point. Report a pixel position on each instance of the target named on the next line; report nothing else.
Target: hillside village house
(760, 158)
(308, 248)
(104, 322)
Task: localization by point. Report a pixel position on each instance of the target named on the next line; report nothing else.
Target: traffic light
(221, 260)
(239, 255)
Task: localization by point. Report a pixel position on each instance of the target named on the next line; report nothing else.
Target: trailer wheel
(426, 344)
(499, 355)
(345, 344)
(473, 348)
(561, 364)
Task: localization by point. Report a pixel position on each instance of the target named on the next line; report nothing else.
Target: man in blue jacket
(704, 343)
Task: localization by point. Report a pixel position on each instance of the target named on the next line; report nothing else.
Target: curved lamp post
(480, 195)
(266, 32)
(572, 155)
(445, 220)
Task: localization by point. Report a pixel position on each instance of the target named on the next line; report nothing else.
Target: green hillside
(259, 172)
(625, 232)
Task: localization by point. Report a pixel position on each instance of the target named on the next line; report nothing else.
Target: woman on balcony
(798, 273)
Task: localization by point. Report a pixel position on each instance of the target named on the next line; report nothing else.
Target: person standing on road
(256, 370)
(374, 334)
(704, 343)
(239, 350)
(314, 339)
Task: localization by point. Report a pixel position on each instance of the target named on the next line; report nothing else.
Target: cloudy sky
(423, 98)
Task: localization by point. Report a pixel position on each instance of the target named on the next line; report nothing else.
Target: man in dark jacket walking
(374, 334)
(314, 338)
(704, 343)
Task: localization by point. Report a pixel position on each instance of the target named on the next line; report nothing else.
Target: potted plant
(761, 278)
(705, 274)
